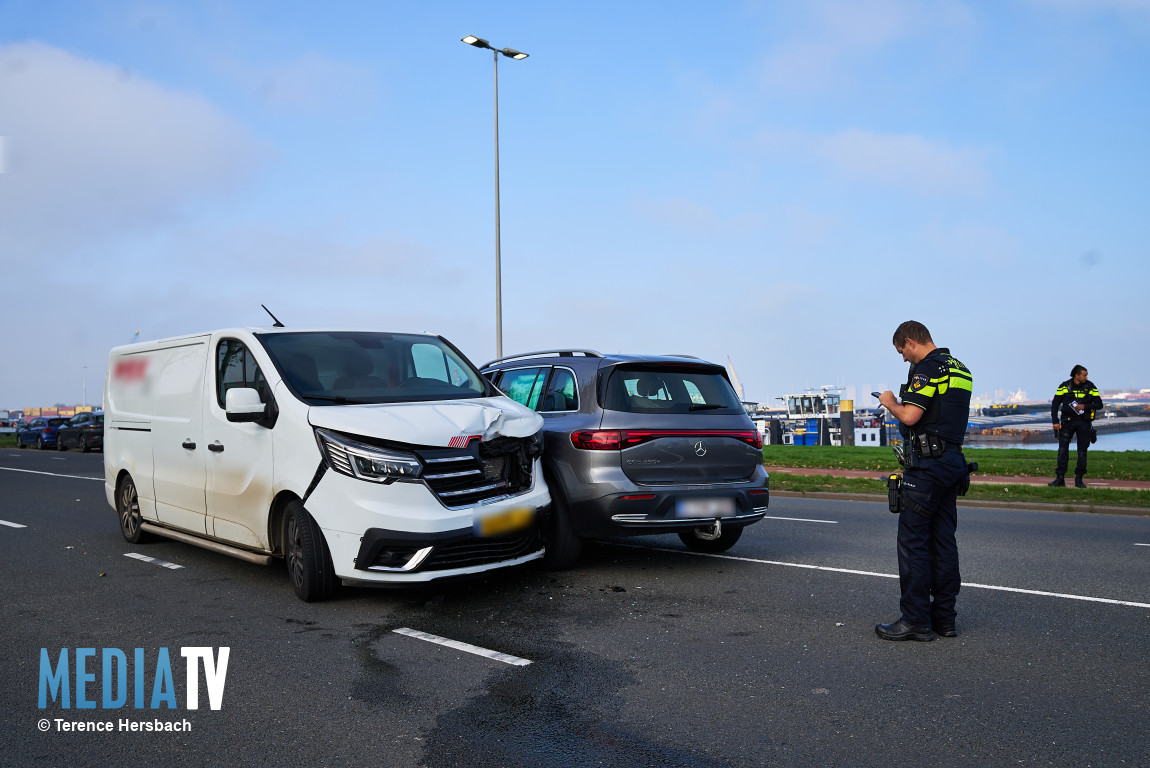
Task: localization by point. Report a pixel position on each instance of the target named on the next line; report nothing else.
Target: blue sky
(775, 183)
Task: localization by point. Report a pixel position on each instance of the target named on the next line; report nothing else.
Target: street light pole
(479, 42)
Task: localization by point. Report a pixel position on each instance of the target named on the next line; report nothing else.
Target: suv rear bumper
(617, 515)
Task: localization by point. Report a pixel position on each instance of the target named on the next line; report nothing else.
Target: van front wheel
(308, 559)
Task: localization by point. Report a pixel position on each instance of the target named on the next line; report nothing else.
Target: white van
(354, 455)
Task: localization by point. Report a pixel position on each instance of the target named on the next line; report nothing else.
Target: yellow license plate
(500, 523)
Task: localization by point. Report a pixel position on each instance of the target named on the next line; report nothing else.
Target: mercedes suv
(639, 445)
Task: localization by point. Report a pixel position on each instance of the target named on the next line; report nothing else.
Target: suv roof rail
(676, 354)
(545, 353)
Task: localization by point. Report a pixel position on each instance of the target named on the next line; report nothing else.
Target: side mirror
(244, 404)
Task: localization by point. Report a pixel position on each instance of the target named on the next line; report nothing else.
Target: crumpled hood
(431, 423)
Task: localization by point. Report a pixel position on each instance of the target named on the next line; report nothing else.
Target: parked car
(353, 455)
(639, 445)
(84, 430)
(40, 432)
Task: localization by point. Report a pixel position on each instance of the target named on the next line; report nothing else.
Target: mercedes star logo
(700, 448)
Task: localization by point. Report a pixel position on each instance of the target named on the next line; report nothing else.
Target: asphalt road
(644, 655)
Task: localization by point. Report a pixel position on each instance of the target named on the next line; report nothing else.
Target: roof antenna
(278, 324)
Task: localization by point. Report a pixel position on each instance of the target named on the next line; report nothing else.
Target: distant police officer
(934, 409)
(1075, 403)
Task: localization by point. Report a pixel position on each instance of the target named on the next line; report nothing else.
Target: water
(1123, 441)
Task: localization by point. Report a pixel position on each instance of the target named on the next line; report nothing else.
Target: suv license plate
(507, 521)
(723, 506)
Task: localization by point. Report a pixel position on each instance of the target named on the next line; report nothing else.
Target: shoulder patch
(918, 381)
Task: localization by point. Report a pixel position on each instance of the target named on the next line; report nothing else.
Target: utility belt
(899, 497)
(927, 446)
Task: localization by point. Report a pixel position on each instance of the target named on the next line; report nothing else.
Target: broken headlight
(366, 462)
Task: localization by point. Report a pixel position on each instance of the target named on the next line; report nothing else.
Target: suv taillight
(614, 440)
(596, 441)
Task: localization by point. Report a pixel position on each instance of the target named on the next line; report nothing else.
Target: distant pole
(510, 53)
(85, 398)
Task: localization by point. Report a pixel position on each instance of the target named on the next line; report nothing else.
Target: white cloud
(843, 32)
(906, 161)
(310, 82)
(94, 150)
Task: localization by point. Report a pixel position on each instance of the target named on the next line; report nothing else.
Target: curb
(1093, 509)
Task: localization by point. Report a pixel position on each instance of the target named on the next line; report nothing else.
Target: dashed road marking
(152, 560)
(801, 520)
(12, 525)
(496, 655)
(1142, 545)
(52, 474)
(965, 584)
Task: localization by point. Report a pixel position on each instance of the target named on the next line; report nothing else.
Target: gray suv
(639, 445)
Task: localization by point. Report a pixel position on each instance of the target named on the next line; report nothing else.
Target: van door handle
(189, 445)
(216, 447)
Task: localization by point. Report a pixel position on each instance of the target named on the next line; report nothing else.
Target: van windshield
(334, 367)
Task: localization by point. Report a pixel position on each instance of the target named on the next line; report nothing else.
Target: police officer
(1072, 410)
(933, 413)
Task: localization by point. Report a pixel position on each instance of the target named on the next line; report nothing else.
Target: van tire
(725, 541)
(128, 510)
(563, 545)
(307, 557)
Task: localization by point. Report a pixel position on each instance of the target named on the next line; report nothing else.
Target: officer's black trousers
(1079, 428)
(927, 549)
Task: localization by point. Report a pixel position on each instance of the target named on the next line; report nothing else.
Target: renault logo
(700, 448)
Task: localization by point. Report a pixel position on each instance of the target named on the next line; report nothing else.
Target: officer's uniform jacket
(941, 386)
(1073, 403)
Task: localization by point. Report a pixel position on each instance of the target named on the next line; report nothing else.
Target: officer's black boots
(1057, 482)
(1078, 482)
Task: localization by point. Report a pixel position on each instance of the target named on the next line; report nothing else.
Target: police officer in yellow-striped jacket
(1075, 403)
(933, 413)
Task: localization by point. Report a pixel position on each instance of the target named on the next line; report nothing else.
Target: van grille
(460, 478)
(473, 552)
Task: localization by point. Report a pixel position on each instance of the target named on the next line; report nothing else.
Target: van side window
(236, 368)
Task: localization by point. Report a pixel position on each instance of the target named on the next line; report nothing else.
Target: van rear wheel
(307, 556)
(128, 510)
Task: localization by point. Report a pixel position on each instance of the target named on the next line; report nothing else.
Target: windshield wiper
(333, 398)
(704, 407)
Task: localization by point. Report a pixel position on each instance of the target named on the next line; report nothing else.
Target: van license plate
(500, 523)
(723, 506)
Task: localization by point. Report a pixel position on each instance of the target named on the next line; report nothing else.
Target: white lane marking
(154, 561)
(12, 525)
(496, 655)
(1142, 545)
(51, 474)
(801, 520)
(891, 576)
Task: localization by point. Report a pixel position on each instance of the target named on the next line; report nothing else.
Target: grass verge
(1072, 497)
(1002, 462)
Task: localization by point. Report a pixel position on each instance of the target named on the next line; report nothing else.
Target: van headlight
(366, 462)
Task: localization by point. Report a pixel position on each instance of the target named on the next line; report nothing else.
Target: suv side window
(524, 385)
(562, 394)
(236, 368)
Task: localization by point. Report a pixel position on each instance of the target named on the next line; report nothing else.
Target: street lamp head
(478, 42)
(514, 54)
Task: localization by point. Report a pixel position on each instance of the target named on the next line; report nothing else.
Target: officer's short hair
(1077, 370)
(913, 330)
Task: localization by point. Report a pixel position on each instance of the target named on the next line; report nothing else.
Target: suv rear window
(670, 389)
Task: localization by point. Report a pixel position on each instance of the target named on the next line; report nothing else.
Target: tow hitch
(712, 533)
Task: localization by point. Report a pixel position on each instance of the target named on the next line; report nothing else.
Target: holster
(893, 496)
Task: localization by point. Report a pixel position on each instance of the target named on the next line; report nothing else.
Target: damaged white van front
(353, 455)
